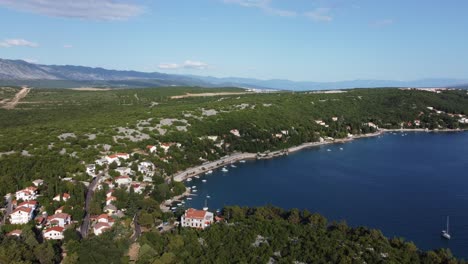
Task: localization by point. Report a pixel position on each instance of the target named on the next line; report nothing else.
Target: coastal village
(130, 184)
(119, 171)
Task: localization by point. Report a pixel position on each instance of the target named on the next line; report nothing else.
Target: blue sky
(308, 40)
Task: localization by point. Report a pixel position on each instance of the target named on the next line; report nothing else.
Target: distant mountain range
(19, 72)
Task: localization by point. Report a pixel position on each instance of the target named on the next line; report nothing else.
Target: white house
(21, 215)
(91, 169)
(137, 187)
(123, 180)
(100, 228)
(101, 162)
(197, 218)
(166, 146)
(110, 199)
(104, 218)
(60, 219)
(55, 232)
(151, 148)
(29, 193)
(334, 118)
(146, 168)
(65, 197)
(116, 158)
(124, 171)
(235, 132)
(38, 182)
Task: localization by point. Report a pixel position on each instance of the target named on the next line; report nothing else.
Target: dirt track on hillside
(207, 94)
(13, 102)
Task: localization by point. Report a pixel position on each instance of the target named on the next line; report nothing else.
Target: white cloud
(264, 5)
(67, 46)
(383, 22)
(321, 14)
(188, 64)
(82, 9)
(8, 43)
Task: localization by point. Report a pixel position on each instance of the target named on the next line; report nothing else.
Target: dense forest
(53, 133)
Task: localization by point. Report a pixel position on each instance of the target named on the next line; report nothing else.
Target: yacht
(445, 233)
(224, 169)
(189, 179)
(209, 172)
(242, 161)
(196, 176)
(206, 206)
(328, 149)
(203, 180)
(208, 196)
(233, 166)
(341, 148)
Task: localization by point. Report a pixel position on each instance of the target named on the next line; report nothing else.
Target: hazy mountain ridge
(19, 71)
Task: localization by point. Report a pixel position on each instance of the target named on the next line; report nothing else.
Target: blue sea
(404, 184)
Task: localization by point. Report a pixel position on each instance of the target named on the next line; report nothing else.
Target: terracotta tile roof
(55, 228)
(60, 216)
(27, 203)
(15, 232)
(195, 214)
(23, 209)
(101, 225)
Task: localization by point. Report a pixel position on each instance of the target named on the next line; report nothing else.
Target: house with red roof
(110, 199)
(15, 232)
(123, 180)
(151, 148)
(116, 158)
(21, 215)
(28, 204)
(196, 219)
(60, 219)
(65, 197)
(29, 193)
(55, 232)
(100, 228)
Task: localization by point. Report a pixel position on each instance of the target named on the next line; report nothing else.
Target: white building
(65, 197)
(55, 232)
(123, 180)
(21, 215)
(60, 219)
(100, 228)
(29, 193)
(38, 182)
(235, 132)
(146, 168)
(151, 148)
(91, 169)
(28, 204)
(197, 218)
(124, 171)
(116, 158)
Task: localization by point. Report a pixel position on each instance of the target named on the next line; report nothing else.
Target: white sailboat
(445, 233)
(206, 206)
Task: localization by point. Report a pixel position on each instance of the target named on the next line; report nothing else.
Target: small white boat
(341, 148)
(179, 204)
(208, 196)
(209, 172)
(196, 176)
(194, 190)
(173, 208)
(242, 161)
(445, 233)
(328, 149)
(189, 179)
(224, 169)
(189, 198)
(233, 166)
(206, 206)
(203, 180)
(194, 187)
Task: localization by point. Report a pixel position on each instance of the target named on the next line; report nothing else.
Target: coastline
(200, 169)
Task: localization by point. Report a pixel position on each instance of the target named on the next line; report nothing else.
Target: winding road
(89, 196)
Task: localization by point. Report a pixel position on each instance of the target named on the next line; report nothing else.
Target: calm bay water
(403, 185)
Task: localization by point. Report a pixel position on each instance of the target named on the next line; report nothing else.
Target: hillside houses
(123, 180)
(60, 219)
(151, 148)
(116, 158)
